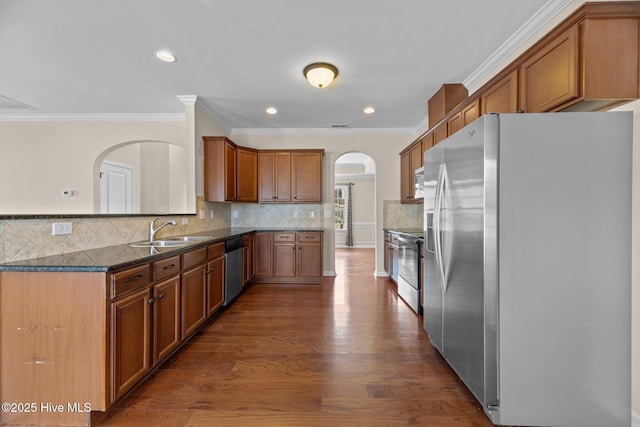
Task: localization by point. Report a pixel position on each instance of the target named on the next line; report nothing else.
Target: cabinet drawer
(309, 237)
(166, 267)
(216, 251)
(284, 237)
(194, 258)
(394, 240)
(130, 279)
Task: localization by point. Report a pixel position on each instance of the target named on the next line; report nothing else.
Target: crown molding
(324, 131)
(202, 107)
(541, 18)
(188, 99)
(91, 117)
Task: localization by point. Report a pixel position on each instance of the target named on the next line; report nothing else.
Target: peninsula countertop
(111, 258)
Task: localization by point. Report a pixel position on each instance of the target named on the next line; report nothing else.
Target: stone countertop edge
(411, 232)
(118, 257)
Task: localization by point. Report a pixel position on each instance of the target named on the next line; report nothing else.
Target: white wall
(40, 159)
(382, 148)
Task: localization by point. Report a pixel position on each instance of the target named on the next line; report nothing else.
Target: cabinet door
(274, 172)
(387, 256)
(284, 259)
(502, 97)
(471, 112)
(230, 194)
(306, 177)
(427, 143)
(550, 77)
(166, 318)
(263, 252)
(406, 194)
(455, 123)
(247, 175)
(309, 259)
(130, 341)
(439, 133)
(215, 285)
(247, 260)
(194, 301)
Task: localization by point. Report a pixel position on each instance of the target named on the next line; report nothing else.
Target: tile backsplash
(31, 238)
(276, 215)
(398, 215)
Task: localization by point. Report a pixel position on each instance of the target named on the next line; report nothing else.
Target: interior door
(116, 188)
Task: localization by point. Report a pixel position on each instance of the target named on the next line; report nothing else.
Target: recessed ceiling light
(369, 110)
(272, 110)
(165, 55)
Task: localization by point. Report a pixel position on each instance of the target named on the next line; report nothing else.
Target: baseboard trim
(329, 273)
(380, 273)
(635, 420)
(356, 246)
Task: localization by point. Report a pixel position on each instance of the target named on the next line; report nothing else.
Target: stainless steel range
(409, 270)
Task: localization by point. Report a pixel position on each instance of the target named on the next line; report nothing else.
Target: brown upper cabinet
(550, 77)
(290, 176)
(502, 96)
(592, 65)
(410, 159)
(589, 62)
(230, 172)
(246, 175)
(444, 100)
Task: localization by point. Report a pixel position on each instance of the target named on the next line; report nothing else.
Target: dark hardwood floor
(346, 352)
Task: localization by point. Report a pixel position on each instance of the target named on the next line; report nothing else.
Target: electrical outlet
(235, 214)
(327, 214)
(61, 228)
(312, 214)
(211, 214)
(185, 221)
(201, 213)
(295, 214)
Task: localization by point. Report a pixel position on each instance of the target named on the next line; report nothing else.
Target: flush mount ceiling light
(271, 110)
(165, 55)
(369, 110)
(320, 74)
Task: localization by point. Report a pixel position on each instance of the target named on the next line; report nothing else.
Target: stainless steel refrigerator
(527, 282)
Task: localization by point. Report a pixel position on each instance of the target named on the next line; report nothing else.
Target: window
(340, 205)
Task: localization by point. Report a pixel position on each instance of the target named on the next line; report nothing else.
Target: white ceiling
(95, 57)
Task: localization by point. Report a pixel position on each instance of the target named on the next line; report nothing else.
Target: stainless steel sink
(189, 238)
(160, 244)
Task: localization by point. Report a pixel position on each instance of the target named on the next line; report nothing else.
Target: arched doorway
(354, 201)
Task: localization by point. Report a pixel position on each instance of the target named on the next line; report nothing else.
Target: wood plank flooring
(347, 352)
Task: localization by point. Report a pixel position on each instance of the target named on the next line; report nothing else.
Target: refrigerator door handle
(442, 173)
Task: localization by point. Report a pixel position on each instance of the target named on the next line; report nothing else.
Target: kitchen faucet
(153, 230)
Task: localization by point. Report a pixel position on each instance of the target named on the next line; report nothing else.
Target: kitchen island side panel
(52, 347)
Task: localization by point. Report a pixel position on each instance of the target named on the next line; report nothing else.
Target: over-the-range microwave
(419, 183)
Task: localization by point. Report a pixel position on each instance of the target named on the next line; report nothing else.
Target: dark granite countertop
(113, 258)
(411, 232)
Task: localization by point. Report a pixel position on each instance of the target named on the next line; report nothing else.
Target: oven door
(409, 271)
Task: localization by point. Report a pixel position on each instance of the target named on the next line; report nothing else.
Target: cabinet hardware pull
(168, 267)
(160, 296)
(133, 279)
(150, 301)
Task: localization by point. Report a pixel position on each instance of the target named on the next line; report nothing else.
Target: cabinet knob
(150, 301)
(160, 296)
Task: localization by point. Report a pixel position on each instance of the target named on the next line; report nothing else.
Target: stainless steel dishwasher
(233, 269)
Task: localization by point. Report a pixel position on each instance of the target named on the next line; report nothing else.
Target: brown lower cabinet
(282, 257)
